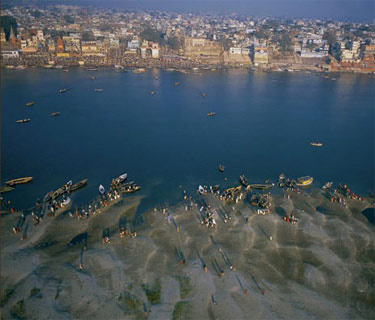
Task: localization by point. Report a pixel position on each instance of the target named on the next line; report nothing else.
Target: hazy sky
(357, 10)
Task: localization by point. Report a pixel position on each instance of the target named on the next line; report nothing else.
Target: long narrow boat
(63, 90)
(130, 188)
(120, 179)
(243, 180)
(98, 90)
(18, 181)
(48, 196)
(78, 185)
(316, 144)
(29, 104)
(234, 190)
(54, 114)
(211, 114)
(304, 181)
(4, 189)
(261, 186)
(23, 120)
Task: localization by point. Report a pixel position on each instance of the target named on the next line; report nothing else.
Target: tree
(36, 14)
(88, 36)
(68, 19)
(261, 33)
(174, 43)
(7, 22)
(226, 43)
(285, 42)
(150, 34)
(272, 24)
(330, 37)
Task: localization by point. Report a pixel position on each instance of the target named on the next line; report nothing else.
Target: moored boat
(29, 104)
(48, 196)
(92, 78)
(4, 189)
(316, 144)
(243, 180)
(120, 179)
(130, 188)
(264, 211)
(304, 181)
(78, 185)
(327, 185)
(23, 120)
(101, 189)
(261, 186)
(55, 114)
(13, 182)
(60, 191)
(139, 70)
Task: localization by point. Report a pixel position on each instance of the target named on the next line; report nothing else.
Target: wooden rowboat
(18, 181)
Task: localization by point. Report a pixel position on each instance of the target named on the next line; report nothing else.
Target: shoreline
(195, 69)
(208, 272)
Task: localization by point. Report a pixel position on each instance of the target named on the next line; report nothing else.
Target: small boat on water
(101, 189)
(62, 90)
(234, 190)
(66, 70)
(261, 186)
(92, 69)
(216, 187)
(327, 185)
(139, 70)
(130, 188)
(13, 182)
(204, 94)
(66, 202)
(92, 78)
(78, 185)
(54, 114)
(221, 168)
(120, 179)
(48, 196)
(23, 120)
(210, 114)
(243, 180)
(29, 104)
(152, 92)
(177, 83)
(304, 181)
(98, 90)
(201, 190)
(316, 144)
(60, 191)
(4, 189)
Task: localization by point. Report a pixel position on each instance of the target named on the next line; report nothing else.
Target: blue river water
(263, 126)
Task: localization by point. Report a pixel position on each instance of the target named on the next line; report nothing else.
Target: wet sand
(323, 267)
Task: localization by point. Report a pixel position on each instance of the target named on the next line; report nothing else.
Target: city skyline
(358, 10)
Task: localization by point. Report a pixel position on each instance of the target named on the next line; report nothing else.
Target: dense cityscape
(61, 36)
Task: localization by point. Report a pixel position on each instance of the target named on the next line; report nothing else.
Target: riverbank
(274, 67)
(255, 264)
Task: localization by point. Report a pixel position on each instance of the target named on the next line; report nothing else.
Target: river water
(263, 126)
